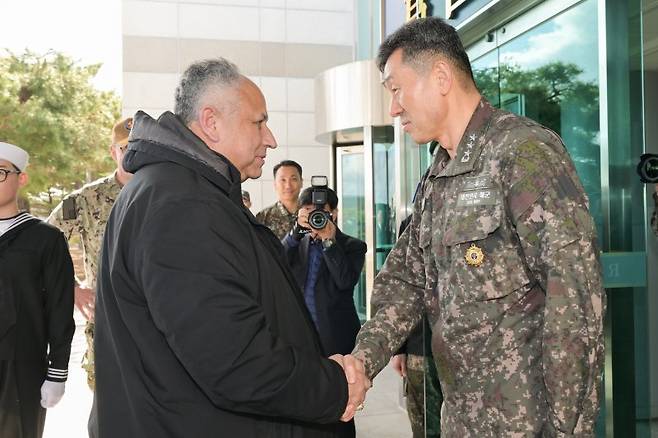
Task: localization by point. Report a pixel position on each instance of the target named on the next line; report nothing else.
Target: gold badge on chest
(474, 255)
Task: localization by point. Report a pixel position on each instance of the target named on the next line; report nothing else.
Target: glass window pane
(550, 74)
(351, 208)
(384, 191)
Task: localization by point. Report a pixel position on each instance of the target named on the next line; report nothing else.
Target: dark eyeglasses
(4, 173)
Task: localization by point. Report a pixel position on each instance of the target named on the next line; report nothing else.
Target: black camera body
(647, 168)
(319, 218)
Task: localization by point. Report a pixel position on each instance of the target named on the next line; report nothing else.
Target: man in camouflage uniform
(422, 388)
(281, 217)
(415, 364)
(84, 213)
(501, 252)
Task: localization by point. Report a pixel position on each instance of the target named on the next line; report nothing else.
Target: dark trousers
(21, 414)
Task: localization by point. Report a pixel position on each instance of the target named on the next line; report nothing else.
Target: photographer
(326, 264)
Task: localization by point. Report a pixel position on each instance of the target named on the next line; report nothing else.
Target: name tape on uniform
(477, 197)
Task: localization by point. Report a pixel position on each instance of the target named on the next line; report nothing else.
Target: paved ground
(69, 418)
(381, 418)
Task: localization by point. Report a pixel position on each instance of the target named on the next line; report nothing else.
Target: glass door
(550, 73)
(350, 188)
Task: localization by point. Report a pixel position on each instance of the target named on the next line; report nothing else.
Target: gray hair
(197, 79)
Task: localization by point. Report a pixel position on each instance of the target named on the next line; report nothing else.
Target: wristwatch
(328, 243)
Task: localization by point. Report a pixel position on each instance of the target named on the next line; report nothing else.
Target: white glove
(51, 393)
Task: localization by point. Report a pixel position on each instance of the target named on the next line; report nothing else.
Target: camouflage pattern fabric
(277, 219)
(654, 218)
(93, 203)
(501, 253)
(423, 395)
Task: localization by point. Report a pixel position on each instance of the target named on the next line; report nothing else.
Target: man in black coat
(36, 308)
(327, 265)
(201, 330)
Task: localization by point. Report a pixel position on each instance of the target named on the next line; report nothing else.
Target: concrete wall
(280, 44)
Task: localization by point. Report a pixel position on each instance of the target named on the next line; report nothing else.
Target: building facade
(280, 44)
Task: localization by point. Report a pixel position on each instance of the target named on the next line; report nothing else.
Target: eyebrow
(264, 117)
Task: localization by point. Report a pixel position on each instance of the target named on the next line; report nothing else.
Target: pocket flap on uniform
(472, 223)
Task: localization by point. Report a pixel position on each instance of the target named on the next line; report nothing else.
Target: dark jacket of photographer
(337, 320)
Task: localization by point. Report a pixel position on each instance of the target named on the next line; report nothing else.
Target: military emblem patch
(474, 255)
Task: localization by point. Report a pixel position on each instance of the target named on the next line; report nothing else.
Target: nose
(395, 109)
(268, 138)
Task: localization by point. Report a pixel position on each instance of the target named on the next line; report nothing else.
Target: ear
(444, 76)
(23, 179)
(209, 122)
(113, 153)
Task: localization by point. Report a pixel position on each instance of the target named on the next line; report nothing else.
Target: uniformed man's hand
(85, 301)
(357, 383)
(399, 364)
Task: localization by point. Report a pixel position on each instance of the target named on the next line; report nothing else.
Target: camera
(318, 218)
(647, 168)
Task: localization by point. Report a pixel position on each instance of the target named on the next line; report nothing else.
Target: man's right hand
(85, 301)
(358, 383)
(399, 364)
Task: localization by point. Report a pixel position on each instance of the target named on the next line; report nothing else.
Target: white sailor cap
(15, 155)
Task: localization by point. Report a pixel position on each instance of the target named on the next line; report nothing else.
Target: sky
(87, 30)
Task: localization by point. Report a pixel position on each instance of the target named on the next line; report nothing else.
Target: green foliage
(49, 107)
(545, 89)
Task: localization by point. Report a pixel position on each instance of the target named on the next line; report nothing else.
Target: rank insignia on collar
(474, 255)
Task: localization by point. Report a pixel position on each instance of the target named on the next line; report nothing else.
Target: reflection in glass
(384, 192)
(352, 210)
(550, 74)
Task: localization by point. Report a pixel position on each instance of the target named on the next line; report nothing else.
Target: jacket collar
(20, 223)
(469, 147)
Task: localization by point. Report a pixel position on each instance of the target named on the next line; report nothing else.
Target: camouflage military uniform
(278, 219)
(517, 331)
(93, 203)
(654, 218)
(423, 395)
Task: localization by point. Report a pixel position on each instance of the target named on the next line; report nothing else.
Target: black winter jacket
(200, 328)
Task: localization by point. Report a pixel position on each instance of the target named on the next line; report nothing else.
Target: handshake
(357, 382)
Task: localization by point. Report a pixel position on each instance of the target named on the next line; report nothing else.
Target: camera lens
(317, 219)
(648, 168)
(652, 169)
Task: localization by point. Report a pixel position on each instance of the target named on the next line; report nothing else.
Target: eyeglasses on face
(4, 173)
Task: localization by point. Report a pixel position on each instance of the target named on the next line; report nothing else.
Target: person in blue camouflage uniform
(84, 213)
(501, 252)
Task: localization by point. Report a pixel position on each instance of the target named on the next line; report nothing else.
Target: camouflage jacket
(92, 204)
(502, 253)
(278, 219)
(654, 218)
